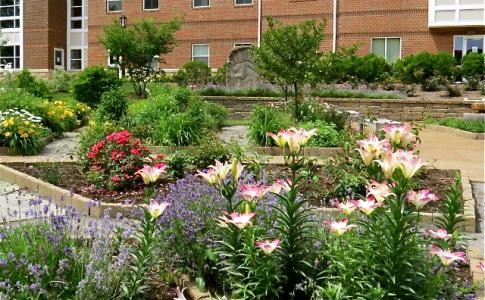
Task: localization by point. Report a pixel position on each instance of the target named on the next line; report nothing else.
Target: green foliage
(220, 77)
(372, 68)
(217, 114)
(113, 106)
(266, 119)
(327, 135)
(194, 73)
(252, 92)
(35, 86)
(92, 134)
(452, 89)
(312, 111)
(50, 172)
(61, 81)
(472, 126)
(210, 149)
(420, 67)
(338, 66)
(289, 54)
(341, 93)
(181, 129)
(140, 45)
(432, 84)
(92, 82)
(451, 207)
(472, 65)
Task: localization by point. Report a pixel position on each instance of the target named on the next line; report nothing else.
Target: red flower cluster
(114, 159)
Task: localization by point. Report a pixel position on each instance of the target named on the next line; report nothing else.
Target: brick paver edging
(459, 132)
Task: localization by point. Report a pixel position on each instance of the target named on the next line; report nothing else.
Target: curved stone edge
(5, 151)
(459, 132)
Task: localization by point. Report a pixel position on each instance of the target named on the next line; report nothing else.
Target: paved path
(238, 133)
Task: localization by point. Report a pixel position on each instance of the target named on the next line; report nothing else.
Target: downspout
(334, 46)
(260, 16)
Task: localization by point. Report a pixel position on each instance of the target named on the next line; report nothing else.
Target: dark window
(150, 4)
(243, 2)
(76, 59)
(115, 5)
(58, 58)
(76, 24)
(10, 55)
(201, 3)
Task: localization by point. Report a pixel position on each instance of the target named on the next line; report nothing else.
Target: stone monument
(241, 70)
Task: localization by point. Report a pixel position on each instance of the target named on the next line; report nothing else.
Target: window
(115, 5)
(389, 48)
(76, 59)
(243, 45)
(243, 2)
(113, 60)
(9, 14)
(201, 3)
(464, 44)
(76, 14)
(200, 53)
(58, 58)
(150, 4)
(10, 55)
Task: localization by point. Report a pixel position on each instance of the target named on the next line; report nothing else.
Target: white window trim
(114, 11)
(385, 44)
(150, 9)
(208, 52)
(466, 36)
(245, 4)
(456, 8)
(62, 58)
(14, 57)
(205, 6)
(80, 59)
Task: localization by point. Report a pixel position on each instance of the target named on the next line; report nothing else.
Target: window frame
(244, 4)
(195, 7)
(76, 59)
(150, 9)
(15, 19)
(465, 36)
(243, 45)
(385, 44)
(62, 58)
(208, 52)
(76, 18)
(114, 11)
(16, 55)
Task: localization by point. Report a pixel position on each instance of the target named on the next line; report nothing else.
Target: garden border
(5, 151)
(456, 131)
(267, 151)
(85, 205)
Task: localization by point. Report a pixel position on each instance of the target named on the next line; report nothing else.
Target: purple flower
(3, 263)
(34, 287)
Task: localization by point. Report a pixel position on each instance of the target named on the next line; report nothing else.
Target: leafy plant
(113, 106)
(92, 82)
(473, 65)
(452, 207)
(194, 73)
(423, 66)
(327, 135)
(452, 89)
(61, 81)
(432, 84)
(266, 119)
(50, 172)
(35, 86)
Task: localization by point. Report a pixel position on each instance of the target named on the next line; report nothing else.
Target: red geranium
(117, 154)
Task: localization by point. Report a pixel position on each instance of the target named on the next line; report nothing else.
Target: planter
(5, 151)
(459, 132)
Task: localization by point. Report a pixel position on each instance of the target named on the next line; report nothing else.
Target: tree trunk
(296, 111)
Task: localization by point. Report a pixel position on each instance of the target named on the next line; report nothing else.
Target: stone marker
(241, 70)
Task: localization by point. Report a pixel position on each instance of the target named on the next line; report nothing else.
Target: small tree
(289, 54)
(139, 46)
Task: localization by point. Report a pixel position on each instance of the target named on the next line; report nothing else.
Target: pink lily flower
(380, 191)
(421, 198)
(180, 294)
(447, 257)
(439, 234)
(215, 175)
(280, 184)
(268, 246)
(372, 148)
(150, 174)
(399, 134)
(481, 266)
(347, 207)
(156, 209)
(388, 164)
(239, 220)
(280, 141)
(368, 206)
(306, 135)
(409, 163)
(251, 192)
(340, 227)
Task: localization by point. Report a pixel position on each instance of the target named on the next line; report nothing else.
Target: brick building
(47, 34)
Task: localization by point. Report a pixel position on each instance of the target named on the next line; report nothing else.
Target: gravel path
(63, 148)
(237, 133)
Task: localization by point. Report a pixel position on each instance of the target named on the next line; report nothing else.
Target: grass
(341, 93)
(237, 122)
(471, 126)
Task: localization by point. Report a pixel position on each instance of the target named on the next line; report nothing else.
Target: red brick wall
(44, 29)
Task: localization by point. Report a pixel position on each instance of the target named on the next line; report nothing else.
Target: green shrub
(266, 119)
(217, 114)
(90, 135)
(35, 86)
(472, 83)
(220, 76)
(372, 68)
(327, 135)
(182, 97)
(453, 90)
(473, 64)
(113, 106)
(60, 82)
(91, 83)
(432, 84)
(180, 129)
(313, 111)
(421, 67)
(193, 73)
(209, 150)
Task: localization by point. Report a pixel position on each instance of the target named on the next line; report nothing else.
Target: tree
(139, 46)
(289, 54)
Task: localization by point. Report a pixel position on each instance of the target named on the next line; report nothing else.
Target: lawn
(472, 126)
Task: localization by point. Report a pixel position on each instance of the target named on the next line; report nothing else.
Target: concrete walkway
(237, 133)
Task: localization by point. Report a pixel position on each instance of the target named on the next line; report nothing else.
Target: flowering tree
(139, 46)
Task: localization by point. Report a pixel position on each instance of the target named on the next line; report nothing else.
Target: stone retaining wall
(394, 109)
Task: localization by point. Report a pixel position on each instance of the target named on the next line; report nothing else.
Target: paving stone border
(459, 132)
(5, 151)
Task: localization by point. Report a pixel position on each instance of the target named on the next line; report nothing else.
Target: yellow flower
(21, 131)
(26, 122)
(8, 134)
(24, 135)
(50, 113)
(31, 131)
(91, 123)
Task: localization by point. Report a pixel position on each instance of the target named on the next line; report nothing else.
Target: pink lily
(306, 135)
(347, 207)
(280, 141)
(156, 209)
(409, 163)
(388, 164)
(150, 174)
(447, 257)
(380, 191)
(280, 184)
(294, 138)
(399, 134)
(215, 175)
(368, 206)
(481, 266)
(421, 198)
(180, 294)
(340, 227)
(439, 234)
(372, 148)
(251, 192)
(239, 220)
(268, 246)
